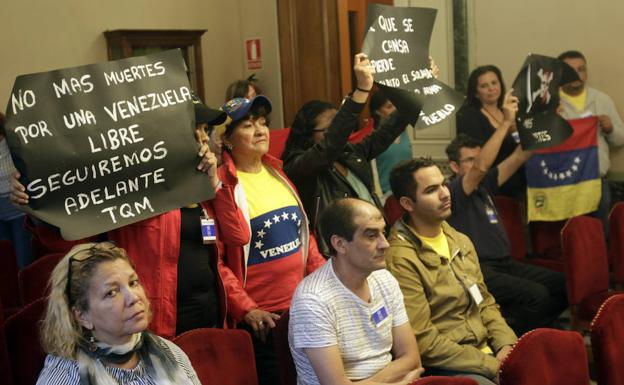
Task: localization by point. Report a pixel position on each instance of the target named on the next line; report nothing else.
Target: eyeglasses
(81, 256)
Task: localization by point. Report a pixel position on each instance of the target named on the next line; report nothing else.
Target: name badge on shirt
(380, 315)
(476, 293)
(491, 214)
(209, 231)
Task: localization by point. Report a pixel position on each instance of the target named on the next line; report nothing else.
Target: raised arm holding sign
(397, 43)
(105, 145)
(537, 87)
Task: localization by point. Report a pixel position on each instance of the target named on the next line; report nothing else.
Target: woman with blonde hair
(94, 330)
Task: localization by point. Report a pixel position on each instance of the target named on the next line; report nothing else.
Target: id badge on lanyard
(208, 229)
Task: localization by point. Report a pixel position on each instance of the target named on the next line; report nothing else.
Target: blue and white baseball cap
(238, 108)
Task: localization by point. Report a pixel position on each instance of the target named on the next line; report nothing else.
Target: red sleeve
(238, 302)
(234, 233)
(234, 229)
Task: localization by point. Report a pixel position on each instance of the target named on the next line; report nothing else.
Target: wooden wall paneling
(288, 58)
(309, 51)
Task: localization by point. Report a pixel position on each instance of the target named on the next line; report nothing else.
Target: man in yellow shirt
(457, 323)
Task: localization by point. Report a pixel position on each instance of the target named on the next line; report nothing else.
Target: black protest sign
(397, 43)
(537, 88)
(105, 145)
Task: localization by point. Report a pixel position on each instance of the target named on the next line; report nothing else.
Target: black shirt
(472, 122)
(198, 304)
(475, 215)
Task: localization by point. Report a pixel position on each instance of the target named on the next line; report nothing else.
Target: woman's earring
(228, 146)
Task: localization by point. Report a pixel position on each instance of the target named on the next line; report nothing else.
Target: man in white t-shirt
(347, 319)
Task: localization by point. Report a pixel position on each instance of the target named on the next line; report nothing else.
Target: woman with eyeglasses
(94, 329)
(318, 159)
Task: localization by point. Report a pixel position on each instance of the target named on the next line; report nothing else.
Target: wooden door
(351, 22)
(318, 39)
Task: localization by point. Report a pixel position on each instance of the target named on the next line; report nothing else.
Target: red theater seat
(616, 242)
(546, 357)
(33, 279)
(9, 289)
(219, 356)
(23, 346)
(546, 239)
(277, 141)
(509, 212)
(5, 363)
(586, 268)
(393, 210)
(607, 340)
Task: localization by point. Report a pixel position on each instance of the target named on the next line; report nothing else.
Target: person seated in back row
(530, 296)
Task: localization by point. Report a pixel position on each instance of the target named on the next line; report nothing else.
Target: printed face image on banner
(397, 43)
(537, 88)
(105, 145)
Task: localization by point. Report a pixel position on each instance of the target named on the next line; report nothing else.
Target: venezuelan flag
(563, 181)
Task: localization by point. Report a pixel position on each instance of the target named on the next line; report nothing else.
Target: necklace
(489, 114)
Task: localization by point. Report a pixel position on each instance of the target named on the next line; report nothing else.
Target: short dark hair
(473, 80)
(402, 179)
(572, 54)
(257, 111)
(460, 141)
(338, 218)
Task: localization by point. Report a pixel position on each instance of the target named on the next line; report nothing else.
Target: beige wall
(505, 31)
(433, 140)
(41, 35)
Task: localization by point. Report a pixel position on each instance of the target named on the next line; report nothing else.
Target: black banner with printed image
(105, 145)
(397, 43)
(537, 88)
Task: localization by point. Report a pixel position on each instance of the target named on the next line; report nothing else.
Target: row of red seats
(581, 239)
(583, 256)
(21, 344)
(544, 356)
